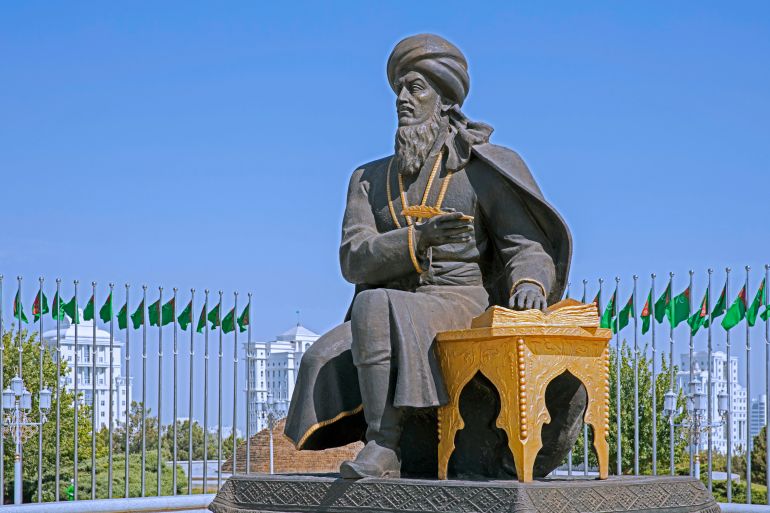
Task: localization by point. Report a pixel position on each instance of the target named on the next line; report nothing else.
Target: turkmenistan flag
(243, 320)
(610, 311)
(719, 308)
(678, 310)
(201, 319)
(165, 316)
(753, 312)
(57, 311)
(40, 306)
(105, 312)
(213, 316)
(137, 318)
(737, 311)
(646, 313)
(661, 305)
(699, 317)
(71, 309)
(123, 317)
(88, 312)
(18, 308)
(626, 313)
(186, 317)
(228, 322)
(766, 314)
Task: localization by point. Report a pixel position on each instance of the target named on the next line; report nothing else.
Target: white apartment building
(272, 369)
(721, 373)
(121, 391)
(758, 416)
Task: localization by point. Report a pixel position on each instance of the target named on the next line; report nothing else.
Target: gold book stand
(520, 353)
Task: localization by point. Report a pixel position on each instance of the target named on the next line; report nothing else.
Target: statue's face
(416, 100)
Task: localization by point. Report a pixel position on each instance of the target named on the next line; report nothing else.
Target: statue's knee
(370, 320)
(369, 303)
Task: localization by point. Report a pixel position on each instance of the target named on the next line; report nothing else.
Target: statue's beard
(414, 142)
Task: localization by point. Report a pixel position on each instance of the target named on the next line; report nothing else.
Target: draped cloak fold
(326, 409)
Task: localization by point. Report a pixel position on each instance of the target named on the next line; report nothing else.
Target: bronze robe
(516, 235)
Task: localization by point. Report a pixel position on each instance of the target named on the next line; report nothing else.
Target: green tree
(645, 417)
(30, 350)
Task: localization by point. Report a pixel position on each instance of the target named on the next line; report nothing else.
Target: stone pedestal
(329, 494)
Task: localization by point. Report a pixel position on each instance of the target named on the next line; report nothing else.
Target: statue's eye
(416, 87)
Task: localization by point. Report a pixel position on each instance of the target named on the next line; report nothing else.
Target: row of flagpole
(671, 307)
(159, 316)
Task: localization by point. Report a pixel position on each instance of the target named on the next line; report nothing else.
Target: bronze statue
(431, 237)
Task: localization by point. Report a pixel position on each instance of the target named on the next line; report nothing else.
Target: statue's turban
(441, 62)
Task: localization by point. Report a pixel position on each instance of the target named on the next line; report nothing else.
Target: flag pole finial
(617, 279)
(58, 280)
(111, 285)
(192, 290)
(691, 272)
(670, 275)
(727, 269)
(93, 284)
(601, 280)
(748, 268)
(127, 286)
(710, 270)
(144, 287)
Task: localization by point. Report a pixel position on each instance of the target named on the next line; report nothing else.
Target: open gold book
(567, 312)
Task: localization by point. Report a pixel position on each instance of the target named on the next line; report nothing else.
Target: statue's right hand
(443, 229)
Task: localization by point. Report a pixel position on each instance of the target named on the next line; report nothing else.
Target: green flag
(626, 313)
(71, 310)
(88, 312)
(678, 310)
(213, 316)
(719, 308)
(737, 311)
(40, 307)
(228, 323)
(699, 317)
(57, 311)
(123, 317)
(661, 305)
(201, 319)
(646, 313)
(243, 320)
(186, 317)
(18, 309)
(766, 313)
(137, 318)
(105, 312)
(753, 312)
(610, 311)
(165, 316)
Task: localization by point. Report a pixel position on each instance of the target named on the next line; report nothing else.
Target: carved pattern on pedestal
(254, 494)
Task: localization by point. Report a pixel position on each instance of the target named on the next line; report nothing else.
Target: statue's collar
(462, 134)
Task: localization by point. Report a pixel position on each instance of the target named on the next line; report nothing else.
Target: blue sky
(199, 144)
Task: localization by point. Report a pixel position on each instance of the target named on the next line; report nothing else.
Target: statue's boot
(381, 456)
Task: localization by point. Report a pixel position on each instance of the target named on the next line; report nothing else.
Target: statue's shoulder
(507, 162)
(371, 171)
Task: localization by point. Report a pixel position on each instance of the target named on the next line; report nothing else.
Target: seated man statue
(431, 237)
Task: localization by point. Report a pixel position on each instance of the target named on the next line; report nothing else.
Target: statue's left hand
(526, 297)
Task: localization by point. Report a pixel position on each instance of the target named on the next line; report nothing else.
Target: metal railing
(127, 449)
(115, 421)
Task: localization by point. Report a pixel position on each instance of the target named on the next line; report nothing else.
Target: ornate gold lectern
(520, 353)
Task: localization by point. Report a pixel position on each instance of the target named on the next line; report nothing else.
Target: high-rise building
(722, 372)
(758, 416)
(272, 369)
(121, 391)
